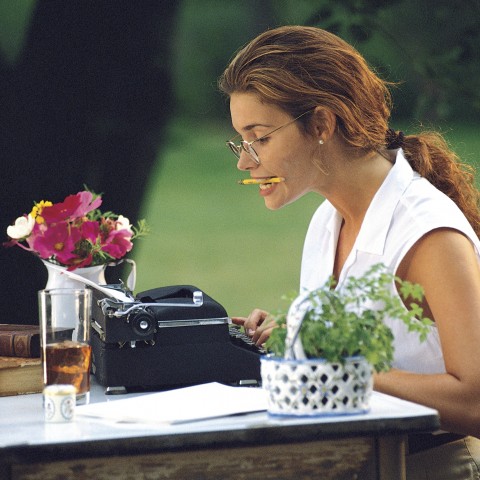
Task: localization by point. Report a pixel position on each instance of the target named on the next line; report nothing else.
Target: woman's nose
(246, 162)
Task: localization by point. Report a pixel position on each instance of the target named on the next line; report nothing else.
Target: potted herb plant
(330, 341)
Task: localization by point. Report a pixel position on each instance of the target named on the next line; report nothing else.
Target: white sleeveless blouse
(405, 208)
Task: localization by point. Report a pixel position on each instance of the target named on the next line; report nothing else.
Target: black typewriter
(166, 338)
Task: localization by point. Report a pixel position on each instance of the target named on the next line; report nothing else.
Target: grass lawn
(210, 232)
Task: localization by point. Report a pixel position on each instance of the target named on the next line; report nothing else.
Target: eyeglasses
(247, 146)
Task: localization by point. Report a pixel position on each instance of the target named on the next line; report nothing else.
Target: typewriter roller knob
(142, 323)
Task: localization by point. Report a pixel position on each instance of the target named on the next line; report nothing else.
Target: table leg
(391, 457)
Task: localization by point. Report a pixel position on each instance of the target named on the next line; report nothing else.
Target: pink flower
(81, 262)
(90, 231)
(118, 243)
(74, 206)
(57, 240)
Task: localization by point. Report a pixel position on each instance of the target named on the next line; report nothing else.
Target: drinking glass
(65, 315)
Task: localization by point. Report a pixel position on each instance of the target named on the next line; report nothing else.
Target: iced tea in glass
(65, 316)
(69, 362)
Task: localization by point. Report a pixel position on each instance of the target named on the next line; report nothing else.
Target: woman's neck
(354, 182)
(351, 192)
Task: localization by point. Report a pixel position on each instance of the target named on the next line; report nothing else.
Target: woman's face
(285, 153)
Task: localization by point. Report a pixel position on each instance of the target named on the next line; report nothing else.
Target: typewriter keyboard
(239, 338)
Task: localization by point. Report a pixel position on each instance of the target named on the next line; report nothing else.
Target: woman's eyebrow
(255, 125)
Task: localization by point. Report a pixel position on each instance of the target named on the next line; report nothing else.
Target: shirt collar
(375, 226)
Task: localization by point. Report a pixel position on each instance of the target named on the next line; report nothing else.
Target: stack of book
(20, 363)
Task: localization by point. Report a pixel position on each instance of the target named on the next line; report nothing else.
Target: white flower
(123, 223)
(22, 228)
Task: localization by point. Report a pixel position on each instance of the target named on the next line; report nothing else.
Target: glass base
(82, 398)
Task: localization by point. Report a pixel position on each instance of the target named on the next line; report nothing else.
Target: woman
(313, 117)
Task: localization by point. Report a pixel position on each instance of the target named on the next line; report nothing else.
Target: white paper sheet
(199, 402)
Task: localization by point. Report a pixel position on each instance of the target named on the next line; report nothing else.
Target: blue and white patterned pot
(317, 387)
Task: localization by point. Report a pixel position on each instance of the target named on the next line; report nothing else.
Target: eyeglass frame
(247, 146)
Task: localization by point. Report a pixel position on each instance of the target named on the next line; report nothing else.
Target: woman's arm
(445, 264)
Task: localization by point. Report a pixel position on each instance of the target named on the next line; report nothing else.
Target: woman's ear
(324, 123)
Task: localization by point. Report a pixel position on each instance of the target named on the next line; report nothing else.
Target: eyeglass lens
(234, 149)
(249, 149)
(237, 149)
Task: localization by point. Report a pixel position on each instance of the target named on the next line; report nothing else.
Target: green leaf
(339, 324)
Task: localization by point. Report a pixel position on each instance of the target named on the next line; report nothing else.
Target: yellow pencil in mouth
(261, 181)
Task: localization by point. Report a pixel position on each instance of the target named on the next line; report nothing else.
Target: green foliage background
(430, 47)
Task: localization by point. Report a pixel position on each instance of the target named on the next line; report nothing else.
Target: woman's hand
(258, 325)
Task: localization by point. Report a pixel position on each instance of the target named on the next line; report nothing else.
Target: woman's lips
(267, 188)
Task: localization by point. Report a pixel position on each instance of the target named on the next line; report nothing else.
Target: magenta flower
(80, 263)
(74, 206)
(90, 231)
(118, 243)
(57, 241)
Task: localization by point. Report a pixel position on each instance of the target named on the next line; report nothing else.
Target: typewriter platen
(169, 337)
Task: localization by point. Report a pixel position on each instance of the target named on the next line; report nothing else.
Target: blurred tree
(85, 95)
(433, 45)
(207, 35)
(430, 47)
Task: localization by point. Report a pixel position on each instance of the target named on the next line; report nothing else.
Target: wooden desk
(369, 446)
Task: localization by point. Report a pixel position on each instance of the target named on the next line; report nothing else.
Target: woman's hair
(297, 68)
